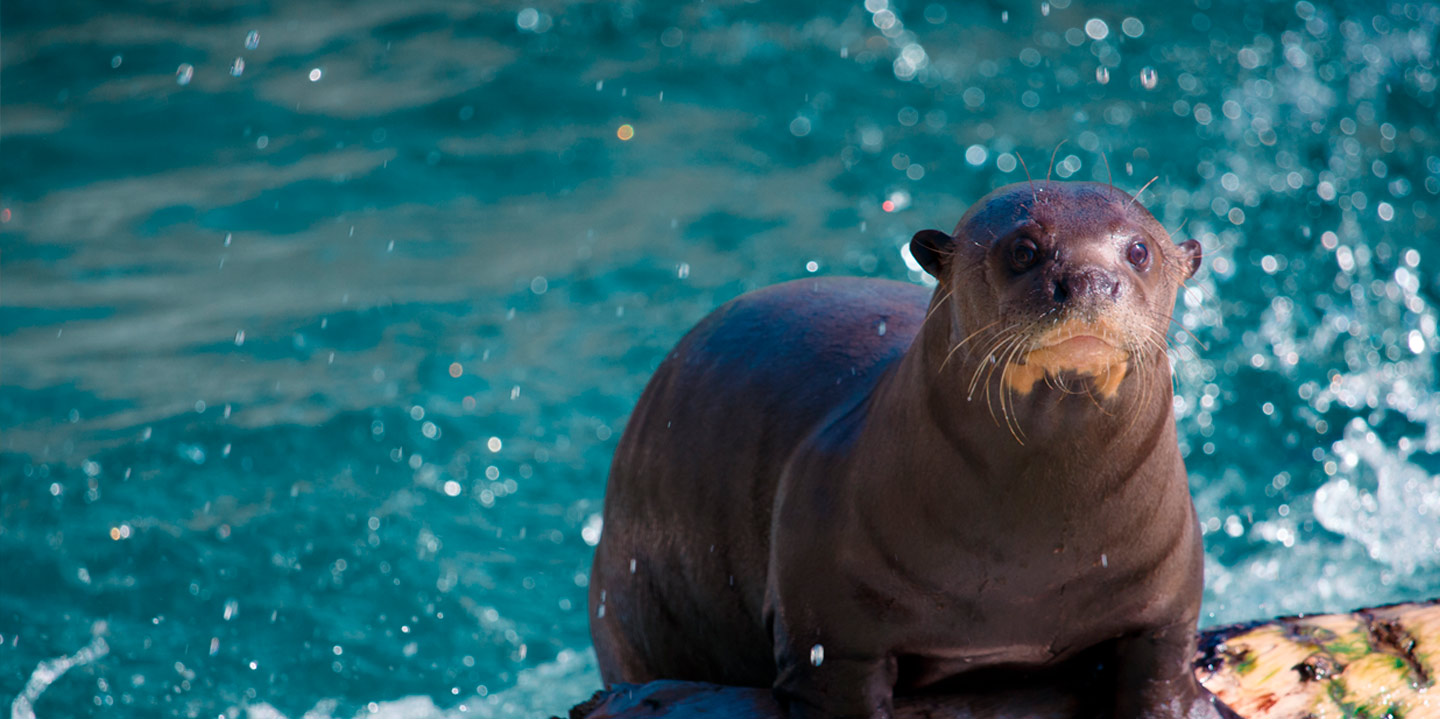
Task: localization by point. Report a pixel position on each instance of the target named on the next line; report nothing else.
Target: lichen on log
(1369, 664)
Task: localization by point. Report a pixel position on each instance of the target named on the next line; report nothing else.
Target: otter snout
(1083, 283)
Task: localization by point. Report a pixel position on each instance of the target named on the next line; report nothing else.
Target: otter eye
(1138, 254)
(1023, 254)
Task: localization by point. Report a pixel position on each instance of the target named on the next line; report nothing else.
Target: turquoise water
(310, 369)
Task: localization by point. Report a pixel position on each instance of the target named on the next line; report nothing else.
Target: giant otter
(848, 488)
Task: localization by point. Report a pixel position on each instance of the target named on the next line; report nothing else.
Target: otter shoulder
(808, 326)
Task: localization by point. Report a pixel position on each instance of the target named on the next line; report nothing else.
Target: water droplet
(115, 61)
(231, 607)
(315, 74)
(1148, 78)
(1004, 17)
(817, 655)
(683, 271)
(184, 73)
(237, 68)
(252, 40)
(1096, 28)
(1102, 74)
(800, 126)
(632, 565)
(1045, 9)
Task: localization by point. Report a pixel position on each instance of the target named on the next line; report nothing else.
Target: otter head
(1051, 281)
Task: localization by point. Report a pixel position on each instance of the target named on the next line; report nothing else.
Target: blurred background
(319, 321)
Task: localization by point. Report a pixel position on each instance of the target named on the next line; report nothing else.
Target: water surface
(319, 321)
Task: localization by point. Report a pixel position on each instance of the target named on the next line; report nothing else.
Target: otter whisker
(961, 343)
(1016, 339)
(981, 362)
(987, 359)
(1177, 323)
(1090, 394)
(1053, 153)
(1140, 370)
(1012, 338)
(1034, 196)
(935, 306)
(1012, 420)
(1180, 229)
(1136, 196)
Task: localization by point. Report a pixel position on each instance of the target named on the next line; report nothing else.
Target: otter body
(847, 488)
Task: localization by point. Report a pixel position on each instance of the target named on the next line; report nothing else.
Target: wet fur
(793, 476)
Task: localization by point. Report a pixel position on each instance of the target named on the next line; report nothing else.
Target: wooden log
(1371, 663)
(1377, 663)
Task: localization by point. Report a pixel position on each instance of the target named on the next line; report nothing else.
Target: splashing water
(379, 419)
(52, 669)
(1149, 78)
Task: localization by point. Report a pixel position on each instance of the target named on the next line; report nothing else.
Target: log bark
(1369, 664)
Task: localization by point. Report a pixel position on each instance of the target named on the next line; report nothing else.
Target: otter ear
(1191, 261)
(930, 248)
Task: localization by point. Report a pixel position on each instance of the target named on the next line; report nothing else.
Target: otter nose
(1085, 282)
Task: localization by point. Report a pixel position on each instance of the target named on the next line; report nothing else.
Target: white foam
(1398, 520)
(48, 671)
(546, 690)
